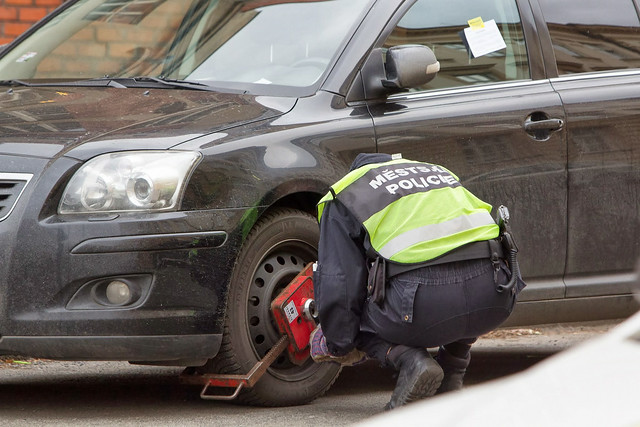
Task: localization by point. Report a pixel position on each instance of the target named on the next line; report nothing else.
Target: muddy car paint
(266, 152)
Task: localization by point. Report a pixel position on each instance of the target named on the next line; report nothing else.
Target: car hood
(48, 122)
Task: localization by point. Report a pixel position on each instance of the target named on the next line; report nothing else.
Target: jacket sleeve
(340, 280)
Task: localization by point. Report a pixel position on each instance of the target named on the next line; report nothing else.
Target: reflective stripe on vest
(413, 211)
(433, 232)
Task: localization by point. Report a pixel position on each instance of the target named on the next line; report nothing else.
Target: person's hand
(320, 352)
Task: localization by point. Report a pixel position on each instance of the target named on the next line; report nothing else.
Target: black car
(160, 161)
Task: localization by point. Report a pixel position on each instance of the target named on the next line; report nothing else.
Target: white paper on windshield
(484, 39)
(27, 56)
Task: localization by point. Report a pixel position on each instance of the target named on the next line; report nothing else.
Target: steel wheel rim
(281, 264)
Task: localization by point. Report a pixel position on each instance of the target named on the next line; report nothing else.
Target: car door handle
(531, 125)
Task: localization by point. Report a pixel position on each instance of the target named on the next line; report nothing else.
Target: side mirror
(409, 66)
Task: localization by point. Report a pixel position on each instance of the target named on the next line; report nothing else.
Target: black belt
(490, 249)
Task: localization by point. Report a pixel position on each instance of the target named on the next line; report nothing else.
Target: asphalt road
(48, 393)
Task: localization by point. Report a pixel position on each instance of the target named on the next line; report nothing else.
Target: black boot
(454, 369)
(419, 375)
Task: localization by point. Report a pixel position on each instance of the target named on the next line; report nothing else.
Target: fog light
(118, 293)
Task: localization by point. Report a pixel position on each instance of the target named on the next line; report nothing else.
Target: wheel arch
(305, 201)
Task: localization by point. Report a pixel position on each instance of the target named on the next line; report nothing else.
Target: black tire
(278, 247)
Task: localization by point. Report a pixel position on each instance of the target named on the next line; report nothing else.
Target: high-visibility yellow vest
(413, 211)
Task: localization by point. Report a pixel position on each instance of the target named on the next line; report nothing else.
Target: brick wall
(16, 16)
(133, 41)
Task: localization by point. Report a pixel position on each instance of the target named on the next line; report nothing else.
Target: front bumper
(53, 267)
(167, 349)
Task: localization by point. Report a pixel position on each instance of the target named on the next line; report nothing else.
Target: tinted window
(593, 35)
(440, 25)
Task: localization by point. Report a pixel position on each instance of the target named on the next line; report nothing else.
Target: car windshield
(227, 43)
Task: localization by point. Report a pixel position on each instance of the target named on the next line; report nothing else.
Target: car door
(595, 46)
(492, 119)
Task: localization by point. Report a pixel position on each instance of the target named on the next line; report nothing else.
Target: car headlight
(129, 181)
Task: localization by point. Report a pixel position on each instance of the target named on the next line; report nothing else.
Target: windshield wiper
(92, 82)
(14, 82)
(126, 82)
(173, 82)
(187, 84)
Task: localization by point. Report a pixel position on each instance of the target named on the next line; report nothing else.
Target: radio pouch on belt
(377, 281)
(515, 283)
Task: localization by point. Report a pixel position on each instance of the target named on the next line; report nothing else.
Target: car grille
(11, 187)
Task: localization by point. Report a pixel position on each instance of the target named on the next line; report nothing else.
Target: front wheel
(276, 250)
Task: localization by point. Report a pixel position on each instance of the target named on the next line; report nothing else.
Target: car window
(447, 27)
(288, 43)
(593, 35)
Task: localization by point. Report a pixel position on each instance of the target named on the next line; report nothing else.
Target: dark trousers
(447, 305)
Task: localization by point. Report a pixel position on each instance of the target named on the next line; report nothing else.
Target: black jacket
(340, 282)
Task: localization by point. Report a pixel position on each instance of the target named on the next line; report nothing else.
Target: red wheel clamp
(294, 313)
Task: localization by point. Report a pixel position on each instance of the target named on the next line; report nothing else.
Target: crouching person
(408, 259)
